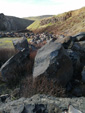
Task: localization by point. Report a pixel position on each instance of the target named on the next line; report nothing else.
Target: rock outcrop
(21, 44)
(79, 37)
(53, 61)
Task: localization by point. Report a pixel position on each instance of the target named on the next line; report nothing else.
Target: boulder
(67, 42)
(83, 74)
(21, 43)
(79, 47)
(75, 58)
(14, 66)
(79, 37)
(53, 61)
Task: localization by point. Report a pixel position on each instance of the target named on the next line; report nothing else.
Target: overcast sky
(26, 8)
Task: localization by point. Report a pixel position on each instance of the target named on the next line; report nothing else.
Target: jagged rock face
(8, 23)
(56, 19)
(53, 62)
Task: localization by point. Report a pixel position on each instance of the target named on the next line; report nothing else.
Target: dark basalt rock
(53, 61)
(21, 44)
(83, 75)
(79, 37)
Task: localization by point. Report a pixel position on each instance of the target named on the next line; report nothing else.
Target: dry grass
(41, 85)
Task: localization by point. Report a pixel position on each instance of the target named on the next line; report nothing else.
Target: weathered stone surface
(79, 37)
(9, 69)
(20, 43)
(42, 104)
(83, 74)
(75, 58)
(67, 42)
(79, 47)
(53, 61)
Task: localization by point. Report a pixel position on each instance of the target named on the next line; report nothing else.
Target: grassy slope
(36, 25)
(73, 24)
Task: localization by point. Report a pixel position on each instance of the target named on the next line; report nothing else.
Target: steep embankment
(68, 23)
(8, 23)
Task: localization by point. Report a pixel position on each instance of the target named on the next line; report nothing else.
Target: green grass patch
(6, 42)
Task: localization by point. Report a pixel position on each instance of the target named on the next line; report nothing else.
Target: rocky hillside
(9, 23)
(68, 23)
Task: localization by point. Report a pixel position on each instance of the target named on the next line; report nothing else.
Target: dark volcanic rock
(53, 61)
(79, 47)
(67, 42)
(75, 58)
(14, 65)
(79, 37)
(83, 74)
(21, 43)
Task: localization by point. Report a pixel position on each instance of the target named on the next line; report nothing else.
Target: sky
(27, 8)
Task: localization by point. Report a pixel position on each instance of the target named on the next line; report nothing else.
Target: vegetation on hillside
(68, 23)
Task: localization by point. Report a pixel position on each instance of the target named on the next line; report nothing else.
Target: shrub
(41, 85)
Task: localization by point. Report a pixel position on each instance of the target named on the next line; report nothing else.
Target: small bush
(41, 85)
